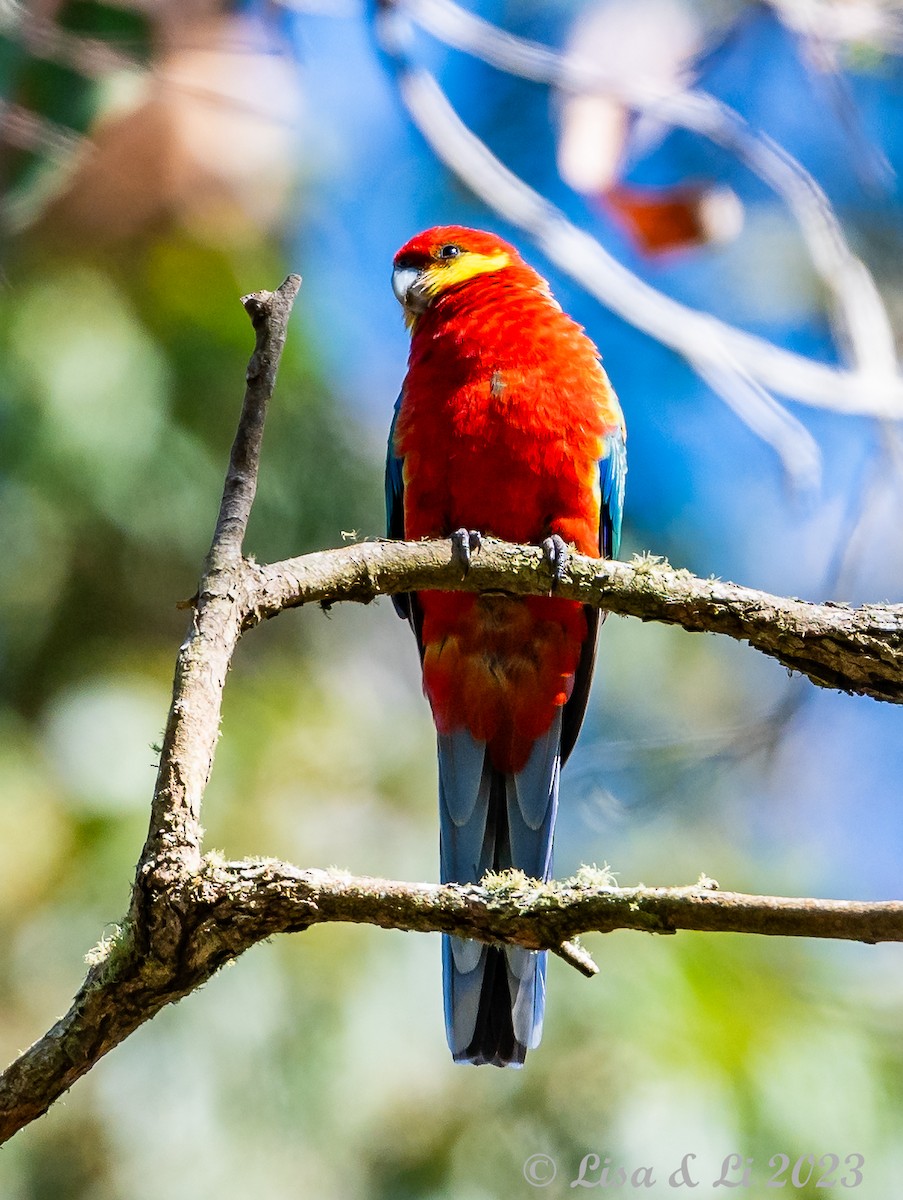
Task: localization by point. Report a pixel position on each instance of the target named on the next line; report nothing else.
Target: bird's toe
(465, 543)
(558, 556)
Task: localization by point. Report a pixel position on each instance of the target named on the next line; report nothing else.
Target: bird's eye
(449, 251)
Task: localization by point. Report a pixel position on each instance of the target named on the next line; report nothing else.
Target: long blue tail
(490, 821)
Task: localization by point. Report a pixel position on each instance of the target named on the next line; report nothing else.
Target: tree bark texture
(190, 914)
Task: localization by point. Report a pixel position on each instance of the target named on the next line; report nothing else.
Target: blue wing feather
(394, 481)
(395, 506)
(612, 478)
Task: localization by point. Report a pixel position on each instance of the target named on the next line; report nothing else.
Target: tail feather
(532, 796)
(493, 1016)
(489, 820)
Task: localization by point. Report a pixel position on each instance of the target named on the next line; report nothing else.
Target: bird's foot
(557, 555)
(465, 543)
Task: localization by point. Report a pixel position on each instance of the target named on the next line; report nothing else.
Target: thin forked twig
(269, 313)
(859, 310)
(162, 950)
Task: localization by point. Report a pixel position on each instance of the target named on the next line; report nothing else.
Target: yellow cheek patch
(436, 279)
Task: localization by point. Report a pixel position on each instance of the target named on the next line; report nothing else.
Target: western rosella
(506, 425)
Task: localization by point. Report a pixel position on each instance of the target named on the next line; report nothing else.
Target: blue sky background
(702, 490)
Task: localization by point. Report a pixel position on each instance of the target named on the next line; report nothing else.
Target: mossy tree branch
(188, 914)
(857, 650)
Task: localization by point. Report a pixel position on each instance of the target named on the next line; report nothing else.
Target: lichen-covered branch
(227, 907)
(856, 650)
(269, 313)
(266, 897)
(150, 964)
(189, 915)
(173, 841)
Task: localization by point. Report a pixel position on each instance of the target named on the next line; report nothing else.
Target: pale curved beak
(403, 279)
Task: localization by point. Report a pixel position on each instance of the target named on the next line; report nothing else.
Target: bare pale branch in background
(859, 310)
(744, 367)
(877, 24)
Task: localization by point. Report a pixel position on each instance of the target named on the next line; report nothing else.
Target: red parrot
(506, 425)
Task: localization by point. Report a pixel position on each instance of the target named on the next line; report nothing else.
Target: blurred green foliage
(59, 89)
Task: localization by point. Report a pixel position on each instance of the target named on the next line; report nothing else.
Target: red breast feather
(501, 426)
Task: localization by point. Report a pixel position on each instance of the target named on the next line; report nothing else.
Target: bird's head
(447, 257)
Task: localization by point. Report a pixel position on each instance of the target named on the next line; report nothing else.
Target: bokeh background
(160, 158)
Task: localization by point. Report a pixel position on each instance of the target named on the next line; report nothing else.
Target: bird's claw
(557, 555)
(465, 543)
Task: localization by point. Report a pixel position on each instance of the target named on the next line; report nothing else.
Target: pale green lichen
(550, 889)
(592, 876)
(106, 958)
(645, 563)
(511, 880)
(104, 948)
(336, 873)
(648, 566)
(682, 573)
